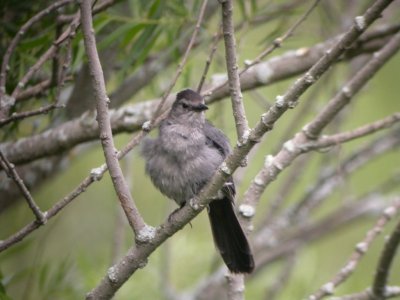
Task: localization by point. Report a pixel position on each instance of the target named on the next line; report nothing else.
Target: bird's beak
(200, 107)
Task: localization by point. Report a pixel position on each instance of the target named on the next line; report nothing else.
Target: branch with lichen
(302, 141)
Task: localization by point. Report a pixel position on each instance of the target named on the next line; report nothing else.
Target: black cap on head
(189, 94)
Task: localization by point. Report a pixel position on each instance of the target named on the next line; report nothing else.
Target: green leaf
(116, 34)
(131, 34)
(143, 45)
(37, 41)
(156, 8)
(100, 22)
(243, 10)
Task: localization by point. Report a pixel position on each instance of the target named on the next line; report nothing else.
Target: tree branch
(10, 170)
(276, 44)
(339, 138)
(23, 115)
(360, 250)
(242, 125)
(110, 153)
(379, 58)
(214, 47)
(390, 292)
(299, 143)
(285, 241)
(379, 288)
(330, 180)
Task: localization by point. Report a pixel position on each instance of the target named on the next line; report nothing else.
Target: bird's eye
(184, 105)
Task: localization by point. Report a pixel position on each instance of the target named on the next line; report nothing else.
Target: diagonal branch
(242, 125)
(102, 101)
(385, 262)
(291, 97)
(339, 138)
(26, 114)
(302, 140)
(390, 292)
(360, 249)
(313, 129)
(10, 170)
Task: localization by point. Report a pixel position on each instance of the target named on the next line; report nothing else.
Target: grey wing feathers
(217, 139)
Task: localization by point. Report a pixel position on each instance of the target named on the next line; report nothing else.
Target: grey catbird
(183, 158)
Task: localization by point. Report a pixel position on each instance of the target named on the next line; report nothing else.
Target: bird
(182, 159)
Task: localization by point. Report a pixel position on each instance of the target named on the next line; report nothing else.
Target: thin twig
(360, 250)
(329, 179)
(276, 44)
(27, 114)
(135, 219)
(38, 89)
(11, 172)
(103, 5)
(180, 65)
(62, 75)
(339, 138)
(210, 57)
(386, 260)
(55, 64)
(242, 125)
(390, 292)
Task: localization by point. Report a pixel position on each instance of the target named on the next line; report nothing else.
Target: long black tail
(229, 237)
